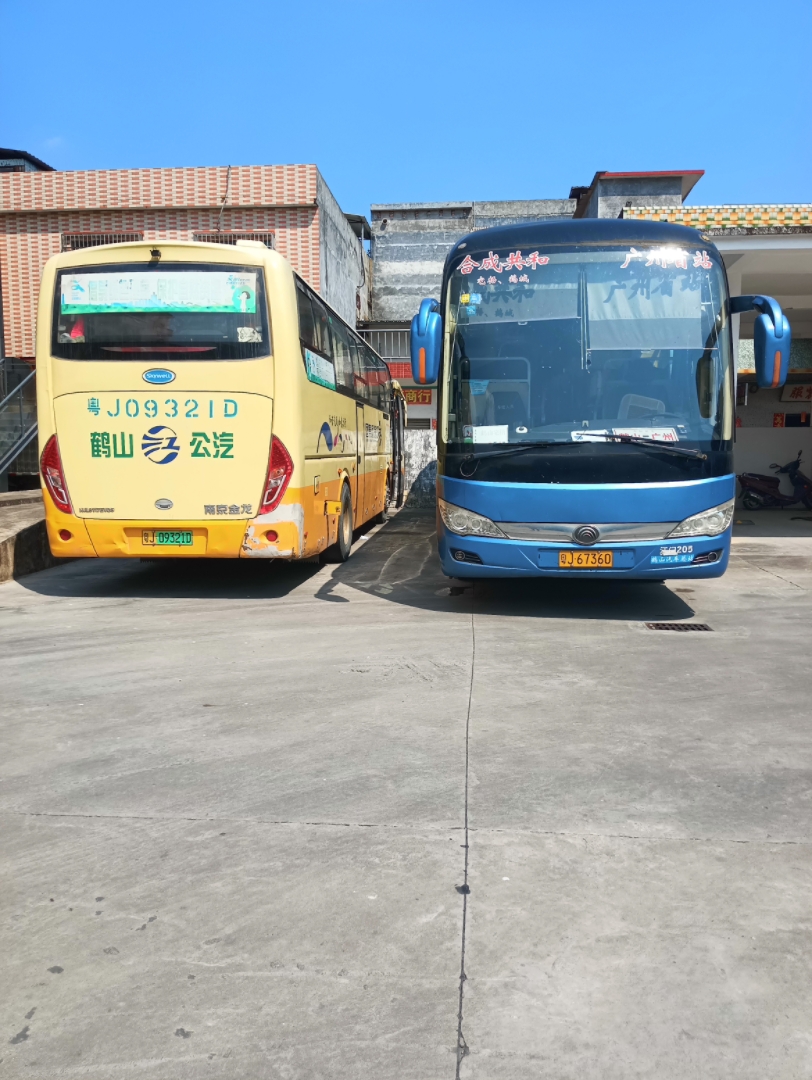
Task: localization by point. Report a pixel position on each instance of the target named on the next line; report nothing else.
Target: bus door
(360, 463)
(397, 425)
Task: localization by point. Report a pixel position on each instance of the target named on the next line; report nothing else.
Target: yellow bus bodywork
(333, 439)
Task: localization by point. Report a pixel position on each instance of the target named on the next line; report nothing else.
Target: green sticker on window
(319, 370)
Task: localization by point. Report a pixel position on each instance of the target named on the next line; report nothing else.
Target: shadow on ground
(397, 563)
(224, 579)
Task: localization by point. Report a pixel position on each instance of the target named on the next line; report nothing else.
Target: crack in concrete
(222, 819)
(772, 573)
(419, 828)
(464, 890)
(646, 839)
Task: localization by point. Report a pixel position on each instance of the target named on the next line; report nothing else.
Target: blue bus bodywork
(609, 319)
(534, 506)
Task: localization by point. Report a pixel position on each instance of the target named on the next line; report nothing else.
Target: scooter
(760, 490)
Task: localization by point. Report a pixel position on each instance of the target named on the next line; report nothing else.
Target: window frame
(363, 357)
(157, 355)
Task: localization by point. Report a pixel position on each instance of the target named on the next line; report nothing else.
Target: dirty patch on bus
(288, 526)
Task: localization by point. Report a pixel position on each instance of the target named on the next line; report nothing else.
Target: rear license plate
(166, 538)
(586, 560)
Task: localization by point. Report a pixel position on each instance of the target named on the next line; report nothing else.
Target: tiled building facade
(42, 212)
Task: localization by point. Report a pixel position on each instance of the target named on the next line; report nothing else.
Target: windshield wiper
(639, 440)
(518, 449)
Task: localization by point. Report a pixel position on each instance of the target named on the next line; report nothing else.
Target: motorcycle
(760, 490)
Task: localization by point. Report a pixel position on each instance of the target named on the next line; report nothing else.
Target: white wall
(342, 263)
(757, 448)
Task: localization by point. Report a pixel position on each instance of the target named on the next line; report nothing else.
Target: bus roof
(586, 231)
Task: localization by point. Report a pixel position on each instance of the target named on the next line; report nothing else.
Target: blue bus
(587, 394)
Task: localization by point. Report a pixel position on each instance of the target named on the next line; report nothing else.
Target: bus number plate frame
(585, 560)
(167, 538)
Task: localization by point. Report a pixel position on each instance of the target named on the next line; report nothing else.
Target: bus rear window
(169, 311)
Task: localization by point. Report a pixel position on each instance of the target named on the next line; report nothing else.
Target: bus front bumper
(486, 557)
(634, 523)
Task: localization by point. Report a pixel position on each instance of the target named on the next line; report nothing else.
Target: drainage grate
(678, 626)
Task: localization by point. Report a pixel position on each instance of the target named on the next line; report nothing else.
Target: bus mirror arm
(426, 308)
(772, 338)
(765, 304)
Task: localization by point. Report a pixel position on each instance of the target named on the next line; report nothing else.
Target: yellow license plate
(585, 560)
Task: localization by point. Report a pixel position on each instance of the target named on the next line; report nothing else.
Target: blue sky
(420, 101)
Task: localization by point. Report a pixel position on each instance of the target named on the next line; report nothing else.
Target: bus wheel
(340, 551)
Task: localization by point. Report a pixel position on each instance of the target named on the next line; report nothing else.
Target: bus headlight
(709, 523)
(466, 522)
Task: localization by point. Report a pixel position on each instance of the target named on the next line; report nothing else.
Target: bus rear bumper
(141, 539)
(484, 557)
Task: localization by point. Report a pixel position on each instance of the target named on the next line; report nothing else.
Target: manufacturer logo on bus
(586, 534)
(158, 376)
(160, 444)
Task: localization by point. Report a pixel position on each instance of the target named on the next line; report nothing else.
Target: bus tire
(340, 551)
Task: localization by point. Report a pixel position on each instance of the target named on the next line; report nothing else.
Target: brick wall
(37, 208)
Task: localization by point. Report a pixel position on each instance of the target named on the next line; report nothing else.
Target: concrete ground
(235, 800)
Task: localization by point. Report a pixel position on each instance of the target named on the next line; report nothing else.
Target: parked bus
(587, 399)
(201, 400)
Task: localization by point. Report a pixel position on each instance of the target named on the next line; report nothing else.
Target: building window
(77, 241)
(390, 344)
(266, 238)
(418, 423)
(12, 168)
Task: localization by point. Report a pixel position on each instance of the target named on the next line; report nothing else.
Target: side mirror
(772, 338)
(426, 344)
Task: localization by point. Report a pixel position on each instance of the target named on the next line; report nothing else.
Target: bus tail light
(280, 470)
(52, 473)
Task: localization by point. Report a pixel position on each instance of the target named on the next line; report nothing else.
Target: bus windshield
(572, 345)
(161, 311)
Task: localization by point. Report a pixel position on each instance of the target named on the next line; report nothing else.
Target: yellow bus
(201, 400)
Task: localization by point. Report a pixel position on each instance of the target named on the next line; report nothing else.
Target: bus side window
(342, 356)
(359, 374)
(322, 322)
(307, 324)
(386, 389)
(374, 371)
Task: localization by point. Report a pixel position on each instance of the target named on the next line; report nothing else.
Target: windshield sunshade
(623, 340)
(169, 311)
